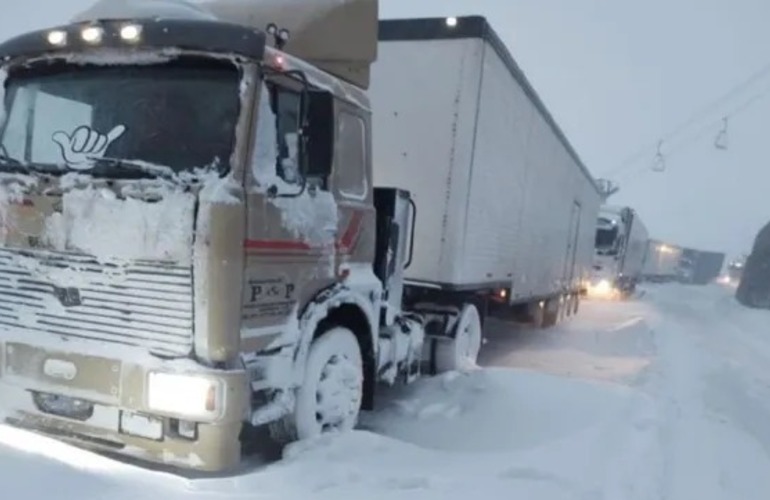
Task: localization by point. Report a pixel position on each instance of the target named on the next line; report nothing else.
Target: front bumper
(116, 394)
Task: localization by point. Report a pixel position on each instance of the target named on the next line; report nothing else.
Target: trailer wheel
(461, 351)
(331, 393)
(551, 312)
(576, 304)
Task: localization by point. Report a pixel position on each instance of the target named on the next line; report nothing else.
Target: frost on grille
(143, 303)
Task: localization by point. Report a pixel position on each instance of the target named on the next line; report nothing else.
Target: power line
(678, 145)
(705, 111)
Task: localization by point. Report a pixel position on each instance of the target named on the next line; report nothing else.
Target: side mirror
(319, 134)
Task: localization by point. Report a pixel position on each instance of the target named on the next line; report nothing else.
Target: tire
(551, 313)
(461, 352)
(329, 399)
(537, 315)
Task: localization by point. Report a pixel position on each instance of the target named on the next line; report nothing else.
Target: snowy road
(667, 397)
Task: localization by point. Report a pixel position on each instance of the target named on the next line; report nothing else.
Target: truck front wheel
(330, 396)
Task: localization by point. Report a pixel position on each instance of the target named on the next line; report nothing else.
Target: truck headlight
(603, 286)
(186, 395)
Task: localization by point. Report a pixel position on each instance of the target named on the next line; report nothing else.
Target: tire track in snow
(701, 455)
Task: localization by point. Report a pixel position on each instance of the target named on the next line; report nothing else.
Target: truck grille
(142, 303)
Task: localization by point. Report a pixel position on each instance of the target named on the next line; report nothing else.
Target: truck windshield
(605, 238)
(103, 119)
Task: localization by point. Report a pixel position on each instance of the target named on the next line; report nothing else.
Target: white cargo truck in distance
(506, 208)
(621, 250)
(662, 264)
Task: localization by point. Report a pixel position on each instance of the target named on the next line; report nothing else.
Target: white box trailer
(662, 264)
(504, 203)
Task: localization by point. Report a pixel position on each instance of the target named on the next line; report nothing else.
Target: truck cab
(189, 232)
(620, 252)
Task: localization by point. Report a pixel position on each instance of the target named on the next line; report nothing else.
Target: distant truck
(621, 248)
(700, 267)
(662, 263)
(192, 243)
(734, 271)
(504, 202)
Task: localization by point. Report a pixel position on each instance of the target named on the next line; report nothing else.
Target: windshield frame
(96, 61)
(605, 226)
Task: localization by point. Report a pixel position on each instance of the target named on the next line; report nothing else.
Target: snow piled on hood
(144, 219)
(96, 222)
(12, 192)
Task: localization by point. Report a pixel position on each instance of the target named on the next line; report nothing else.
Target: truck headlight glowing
(57, 38)
(601, 289)
(451, 22)
(131, 32)
(603, 286)
(188, 395)
(92, 34)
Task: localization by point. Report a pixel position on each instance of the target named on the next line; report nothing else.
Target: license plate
(140, 425)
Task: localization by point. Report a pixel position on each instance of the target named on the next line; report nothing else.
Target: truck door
(570, 257)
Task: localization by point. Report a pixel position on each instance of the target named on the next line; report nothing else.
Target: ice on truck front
(111, 131)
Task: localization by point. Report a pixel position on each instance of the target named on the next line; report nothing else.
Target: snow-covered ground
(667, 397)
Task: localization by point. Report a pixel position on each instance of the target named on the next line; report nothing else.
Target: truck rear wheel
(461, 351)
(551, 312)
(331, 393)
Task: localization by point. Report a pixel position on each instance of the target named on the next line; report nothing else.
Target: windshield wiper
(10, 164)
(137, 169)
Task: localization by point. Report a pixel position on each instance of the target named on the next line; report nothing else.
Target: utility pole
(607, 188)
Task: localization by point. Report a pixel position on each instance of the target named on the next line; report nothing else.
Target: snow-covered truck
(192, 245)
(621, 247)
(505, 206)
(734, 271)
(191, 242)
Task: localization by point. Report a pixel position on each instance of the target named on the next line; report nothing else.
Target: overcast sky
(617, 76)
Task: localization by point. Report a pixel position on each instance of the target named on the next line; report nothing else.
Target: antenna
(606, 188)
(280, 35)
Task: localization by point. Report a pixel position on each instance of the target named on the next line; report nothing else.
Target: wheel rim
(338, 393)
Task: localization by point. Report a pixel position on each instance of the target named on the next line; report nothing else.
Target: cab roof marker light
(92, 34)
(451, 22)
(131, 32)
(57, 37)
